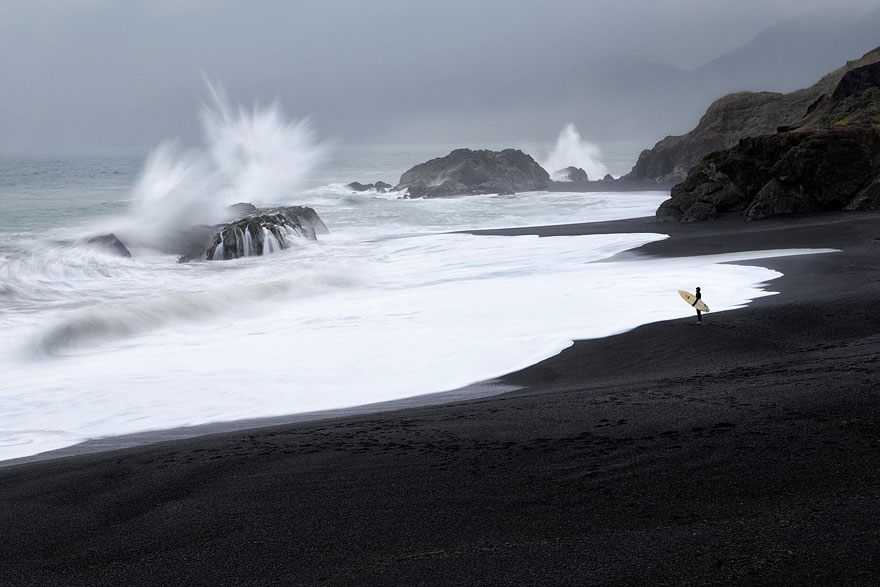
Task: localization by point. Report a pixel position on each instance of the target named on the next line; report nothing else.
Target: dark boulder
(306, 216)
(266, 231)
(801, 171)
(572, 174)
(379, 186)
(252, 236)
(465, 171)
(359, 187)
(110, 243)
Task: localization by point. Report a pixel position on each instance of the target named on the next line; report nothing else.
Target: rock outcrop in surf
(259, 233)
(110, 243)
(572, 174)
(466, 171)
(746, 114)
(380, 186)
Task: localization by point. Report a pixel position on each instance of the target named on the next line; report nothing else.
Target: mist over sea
(390, 304)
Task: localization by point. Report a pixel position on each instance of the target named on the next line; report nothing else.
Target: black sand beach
(745, 451)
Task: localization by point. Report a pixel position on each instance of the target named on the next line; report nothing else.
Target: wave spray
(254, 155)
(571, 150)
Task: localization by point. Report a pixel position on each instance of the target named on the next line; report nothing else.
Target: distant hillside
(625, 100)
(735, 116)
(793, 54)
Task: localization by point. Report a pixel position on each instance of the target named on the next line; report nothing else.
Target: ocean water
(390, 304)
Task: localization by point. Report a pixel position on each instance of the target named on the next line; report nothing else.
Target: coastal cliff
(466, 171)
(737, 116)
(826, 160)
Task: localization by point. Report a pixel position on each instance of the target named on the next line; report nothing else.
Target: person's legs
(699, 317)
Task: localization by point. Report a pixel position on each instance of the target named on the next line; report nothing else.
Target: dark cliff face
(748, 114)
(465, 171)
(829, 159)
(855, 102)
(803, 171)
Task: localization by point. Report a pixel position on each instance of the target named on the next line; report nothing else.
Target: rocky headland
(827, 159)
(740, 115)
(257, 232)
(467, 171)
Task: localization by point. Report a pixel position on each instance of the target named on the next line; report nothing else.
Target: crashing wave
(261, 233)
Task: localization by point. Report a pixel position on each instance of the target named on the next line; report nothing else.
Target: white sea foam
(388, 305)
(341, 323)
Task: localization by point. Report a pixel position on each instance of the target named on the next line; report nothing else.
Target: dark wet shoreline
(745, 451)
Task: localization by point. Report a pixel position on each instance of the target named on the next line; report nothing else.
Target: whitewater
(397, 301)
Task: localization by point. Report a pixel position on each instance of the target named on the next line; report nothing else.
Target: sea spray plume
(254, 155)
(259, 155)
(571, 150)
(176, 190)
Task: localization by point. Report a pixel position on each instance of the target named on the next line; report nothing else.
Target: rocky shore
(466, 172)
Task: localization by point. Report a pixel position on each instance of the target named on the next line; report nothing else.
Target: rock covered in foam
(259, 233)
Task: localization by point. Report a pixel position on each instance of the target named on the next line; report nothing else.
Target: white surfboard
(693, 301)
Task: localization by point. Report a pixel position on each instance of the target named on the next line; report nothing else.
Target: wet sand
(745, 451)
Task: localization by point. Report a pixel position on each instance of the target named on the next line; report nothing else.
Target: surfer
(699, 315)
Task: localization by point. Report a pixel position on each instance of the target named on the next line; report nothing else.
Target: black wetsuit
(699, 315)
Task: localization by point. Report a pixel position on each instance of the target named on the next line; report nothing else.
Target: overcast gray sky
(93, 74)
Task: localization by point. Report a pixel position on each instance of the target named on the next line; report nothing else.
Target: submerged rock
(110, 243)
(464, 172)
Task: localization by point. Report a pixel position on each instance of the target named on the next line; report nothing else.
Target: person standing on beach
(699, 315)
